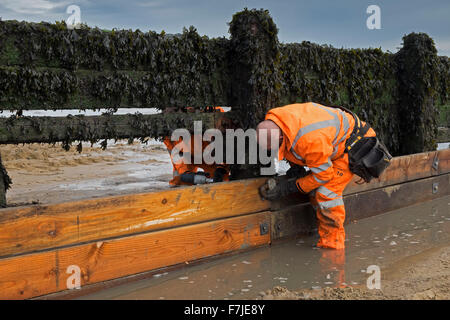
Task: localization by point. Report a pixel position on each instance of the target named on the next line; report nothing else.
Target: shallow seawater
(378, 241)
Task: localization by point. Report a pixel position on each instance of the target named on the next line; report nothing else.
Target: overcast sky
(341, 23)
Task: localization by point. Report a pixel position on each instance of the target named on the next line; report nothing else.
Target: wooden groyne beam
(118, 236)
(92, 128)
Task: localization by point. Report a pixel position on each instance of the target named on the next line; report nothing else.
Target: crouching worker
(334, 144)
(188, 173)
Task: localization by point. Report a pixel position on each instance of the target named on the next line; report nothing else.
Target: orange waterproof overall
(180, 168)
(314, 136)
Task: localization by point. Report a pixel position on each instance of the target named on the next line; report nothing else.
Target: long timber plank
(46, 272)
(366, 204)
(42, 227)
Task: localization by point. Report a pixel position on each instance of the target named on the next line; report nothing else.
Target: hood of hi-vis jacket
(313, 136)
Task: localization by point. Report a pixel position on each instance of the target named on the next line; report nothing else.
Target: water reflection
(296, 264)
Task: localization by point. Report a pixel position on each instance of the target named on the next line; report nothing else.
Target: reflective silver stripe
(322, 167)
(327, 192)
(312, 127)
(175, 173)
(331, 204)
(318, 180)
(309, 128)
(315, 126)
(346, 126)
(337, 123)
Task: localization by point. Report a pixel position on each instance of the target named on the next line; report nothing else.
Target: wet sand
(411, 246)
(43, 173)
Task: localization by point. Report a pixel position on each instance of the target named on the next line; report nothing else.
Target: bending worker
(329, 141)
(188, 174)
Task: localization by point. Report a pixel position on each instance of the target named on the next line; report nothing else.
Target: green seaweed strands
(54, 45)
(92, 129)
(444, 92)
(179, 70)
(24, 88)
(21, 88)
(255, 65)
(363, 80)
(418, 76)
(444, 80)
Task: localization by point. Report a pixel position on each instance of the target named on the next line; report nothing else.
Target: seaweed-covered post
(254, 60)
(5, 181)
(417, 72)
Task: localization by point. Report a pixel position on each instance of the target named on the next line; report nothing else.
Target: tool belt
(368, 156)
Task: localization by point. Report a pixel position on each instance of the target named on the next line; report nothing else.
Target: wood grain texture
(41, 227)
(45, 272)
(406, 168)
(373, 202)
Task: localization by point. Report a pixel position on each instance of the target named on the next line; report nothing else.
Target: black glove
(203, 173)
(296, 171)
(219, 174)
(195, 178)
(280, 188)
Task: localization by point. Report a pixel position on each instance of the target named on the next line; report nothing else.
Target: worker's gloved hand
(277, 188)
(219, 174)
(296, 171)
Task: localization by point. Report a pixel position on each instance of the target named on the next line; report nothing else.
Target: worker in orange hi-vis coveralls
(314, 136)
(216, 172)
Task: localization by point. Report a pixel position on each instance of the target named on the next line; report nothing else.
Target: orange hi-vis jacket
(313, 136)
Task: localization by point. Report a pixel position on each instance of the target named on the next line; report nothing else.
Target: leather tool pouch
(368, 156)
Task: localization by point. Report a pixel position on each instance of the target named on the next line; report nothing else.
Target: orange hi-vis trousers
(329, 206)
